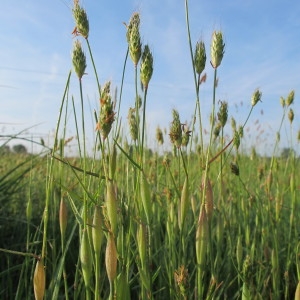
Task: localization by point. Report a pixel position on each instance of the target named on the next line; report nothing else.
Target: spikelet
(223, 113)
(81, 21)
(86, 258)
(256, 97)
(217, 49)
(111, 258)
(107, 114)
(291, 115)
(290, 98)
(135, 45)
(175, 130)
(133, 124)
(146, 69)
(78, 59)
(199, 57)
(39, 280)
(159, 136)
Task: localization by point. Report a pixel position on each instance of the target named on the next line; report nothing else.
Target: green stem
(95, 70)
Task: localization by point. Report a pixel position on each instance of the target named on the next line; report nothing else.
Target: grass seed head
(111, 258)
(159, 136)
(135, 45)
(86, 258)
(290, 98)
(199, 57)
(256, 97)
(81, 21)
(181, 277)
(97, 231)
(175, 130)
(291, 115)
(39, 280)
(223, 113)
(134, 22)
(78, 59)
(107, 114)
(217, 49)
(146, 70)
(133, 124)
(111, 205)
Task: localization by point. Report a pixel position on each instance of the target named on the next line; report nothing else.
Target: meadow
(205, 220)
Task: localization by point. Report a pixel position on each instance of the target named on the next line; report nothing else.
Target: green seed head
(291, 115)
(81, 21)
(135, 45)
(223, 113)
(199, 57)
(255, 97)
(236, 140)
(146, 66)
(282, 101)
(159, 136)
(175, 131)
(39, 280)
(78, 59)
(107, 114)
(86, 258)
(133, 125)
(217, 130)
(134, 21)
(217, 49)
(290, 98)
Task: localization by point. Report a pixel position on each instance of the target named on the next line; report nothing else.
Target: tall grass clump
(204, 220)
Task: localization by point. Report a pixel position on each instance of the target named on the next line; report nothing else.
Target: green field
(205, 220)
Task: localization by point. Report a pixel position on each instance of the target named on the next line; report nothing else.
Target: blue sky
(262, 51)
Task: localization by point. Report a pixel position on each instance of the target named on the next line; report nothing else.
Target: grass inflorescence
(127, 222)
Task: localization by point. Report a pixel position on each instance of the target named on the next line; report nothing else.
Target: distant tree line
(18, 149)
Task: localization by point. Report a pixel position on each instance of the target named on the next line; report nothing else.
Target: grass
(127, 222)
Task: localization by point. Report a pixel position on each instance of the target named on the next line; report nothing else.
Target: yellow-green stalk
(201, 248)
(63, 217)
